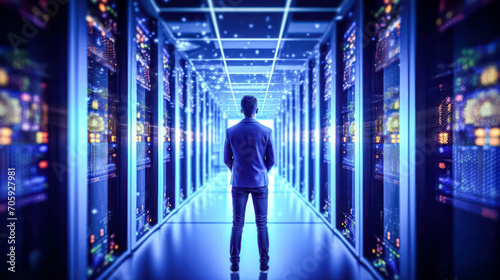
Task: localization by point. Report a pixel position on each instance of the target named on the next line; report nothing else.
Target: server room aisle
(194, 244)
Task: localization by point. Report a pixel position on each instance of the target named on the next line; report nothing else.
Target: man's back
(248, 152)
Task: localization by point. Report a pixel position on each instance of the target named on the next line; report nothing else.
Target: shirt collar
(248, 120)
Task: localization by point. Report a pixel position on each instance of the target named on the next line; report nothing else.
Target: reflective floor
(194, 244)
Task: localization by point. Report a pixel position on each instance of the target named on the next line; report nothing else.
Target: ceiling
(241, 47)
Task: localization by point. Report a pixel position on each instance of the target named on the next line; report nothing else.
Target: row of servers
(391, 134)
(104, 139)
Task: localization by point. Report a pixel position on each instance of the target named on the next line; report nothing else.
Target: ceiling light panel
(254, 25)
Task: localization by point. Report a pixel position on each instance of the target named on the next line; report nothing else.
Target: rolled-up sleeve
(228, 153)
(269, 156)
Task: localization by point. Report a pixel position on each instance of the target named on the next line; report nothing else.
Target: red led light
(43, 164)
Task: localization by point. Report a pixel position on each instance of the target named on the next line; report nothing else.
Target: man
(248, 152)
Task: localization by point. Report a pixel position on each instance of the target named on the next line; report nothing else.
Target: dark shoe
(235, 268)
(264, 267)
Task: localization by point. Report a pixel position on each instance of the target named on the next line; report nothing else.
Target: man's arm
(228, 154)
(269, 157)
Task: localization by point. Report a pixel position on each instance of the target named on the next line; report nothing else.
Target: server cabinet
(107, 140)
(201, 134)
(281, 144)
(213, 143)
(345, 126)
(207, 136)
(210, 136)
(217, 136)
(182, 127)
(146, 90)
(325, 156)
(168, 129)
(279, 163)
(33, 139)
(287, 124)
(385, 142)
(302, 131)
(293, 142)
(457, 129)
(314, 130)
(192, 120)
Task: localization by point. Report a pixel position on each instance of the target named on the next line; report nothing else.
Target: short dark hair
(249, 105)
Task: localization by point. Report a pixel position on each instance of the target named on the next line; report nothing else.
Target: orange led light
(495, 132)
(480, 141)
(43, 164)
(102, 7)
(495, 141)
(443, 138)
(480, 132)
(5, 140)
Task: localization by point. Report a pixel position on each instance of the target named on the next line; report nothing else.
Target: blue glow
(43, 148)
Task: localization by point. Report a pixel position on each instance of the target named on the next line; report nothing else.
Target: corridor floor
(194, 243)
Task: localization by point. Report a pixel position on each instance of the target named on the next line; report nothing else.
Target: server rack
(33, 137)
(167, 112)
(207, 136)
(385, 247)
(191, 127)
(144, 97)
(347, 129)
(306, 130)
(182, 128)
(199, 132)
(314, 131)
(456, 127)
(325, 108)
(301, 136)
(106, 139)
(286, 143)
(292, 143)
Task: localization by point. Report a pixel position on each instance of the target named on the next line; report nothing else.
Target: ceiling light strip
(249, 39)
(248, 10)
(216, 27)
(282, 30)
(248, 59)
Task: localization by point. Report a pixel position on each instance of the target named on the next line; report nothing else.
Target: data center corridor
(197, 238)
(385, 132)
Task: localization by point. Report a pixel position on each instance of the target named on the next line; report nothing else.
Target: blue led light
(43, 148)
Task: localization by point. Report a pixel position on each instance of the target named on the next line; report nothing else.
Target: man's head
(249, 106)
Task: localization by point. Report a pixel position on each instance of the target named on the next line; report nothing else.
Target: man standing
(248, 152)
